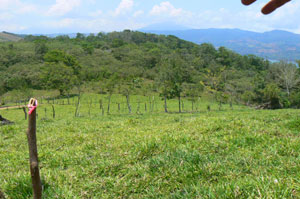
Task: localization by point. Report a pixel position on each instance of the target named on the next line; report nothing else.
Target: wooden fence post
(33, 153)
(25, 113)
(46, 113)
(53, 112)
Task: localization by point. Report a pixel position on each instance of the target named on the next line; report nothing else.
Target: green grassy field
(239, 153)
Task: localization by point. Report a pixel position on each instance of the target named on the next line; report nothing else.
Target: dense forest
(132, 62)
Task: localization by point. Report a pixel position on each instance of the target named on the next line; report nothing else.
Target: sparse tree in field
(127, 87)
(110, 86)
(287, 75)
(165, 85)
(174, 73)
(193, 91)
(230, 91)
(215, 81)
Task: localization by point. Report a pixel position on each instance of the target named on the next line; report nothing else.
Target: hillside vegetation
(135, 115)
(138, 63)
(5, 36)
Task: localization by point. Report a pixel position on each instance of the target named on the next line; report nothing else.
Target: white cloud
(16, 6)
(12, 27)
(26, 9)
(96, 13)
(5, 4)
(89, 25)
(62, 7)
(5, 16)
(16, 15)
(123, 7)
(63, 23)
(138, 13)
(166, 8)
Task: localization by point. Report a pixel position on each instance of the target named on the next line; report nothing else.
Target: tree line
(132, 62)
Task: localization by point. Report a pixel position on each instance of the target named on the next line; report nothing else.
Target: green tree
(174, 72)
(58, 76)
(272, 96)
(40, 48)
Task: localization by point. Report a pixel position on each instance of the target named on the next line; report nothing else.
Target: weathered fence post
(77, 108)
(90, 104)
(166, 107)
(108, 104)
(33, 153)
(101, 104)
(53, 111)
(128, 104)
(46, 113)
(25, 113)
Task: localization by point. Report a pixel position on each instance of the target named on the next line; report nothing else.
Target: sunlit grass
(239, 153)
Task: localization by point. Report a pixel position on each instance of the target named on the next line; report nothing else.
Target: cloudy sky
(71, 16)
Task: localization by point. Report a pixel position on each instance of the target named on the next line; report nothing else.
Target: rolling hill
(6, 36)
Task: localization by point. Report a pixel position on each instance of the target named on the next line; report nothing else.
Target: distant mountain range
(273, 45)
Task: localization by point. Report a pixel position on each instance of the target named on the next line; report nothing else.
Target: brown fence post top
(33, 103)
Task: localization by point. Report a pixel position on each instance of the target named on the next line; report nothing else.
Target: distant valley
(273, 45)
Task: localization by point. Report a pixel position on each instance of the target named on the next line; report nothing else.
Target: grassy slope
(222, 154)
(9, 37)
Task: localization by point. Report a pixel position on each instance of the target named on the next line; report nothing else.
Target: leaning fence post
(25, 113)
(33, 153)
(53, 111)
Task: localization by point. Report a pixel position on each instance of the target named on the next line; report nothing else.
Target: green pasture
(227, 153)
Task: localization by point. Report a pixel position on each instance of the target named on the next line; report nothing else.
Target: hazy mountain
(71, 35)
(6, 36)
(275, 45)
(164, 26)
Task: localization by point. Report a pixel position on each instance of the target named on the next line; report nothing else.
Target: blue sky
(71, 16)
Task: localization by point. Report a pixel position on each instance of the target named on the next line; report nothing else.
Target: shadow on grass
(21, 188)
